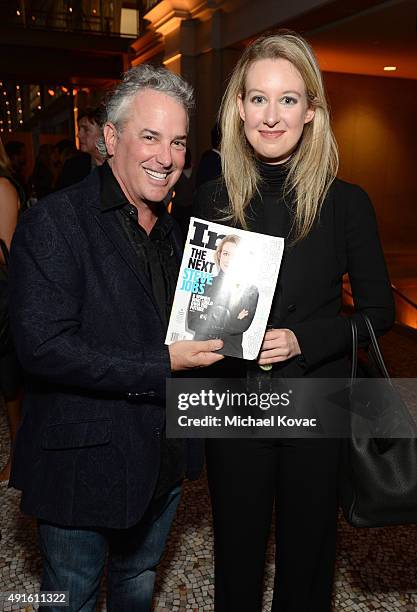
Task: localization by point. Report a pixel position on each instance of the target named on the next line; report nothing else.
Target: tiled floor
(376, 569)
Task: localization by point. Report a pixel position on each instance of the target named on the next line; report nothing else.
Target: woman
(277, 135)
(232, 303)
(11, 196)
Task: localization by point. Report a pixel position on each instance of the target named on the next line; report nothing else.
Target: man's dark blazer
(91, 338)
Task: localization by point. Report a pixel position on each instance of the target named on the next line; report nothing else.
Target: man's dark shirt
(156, 257)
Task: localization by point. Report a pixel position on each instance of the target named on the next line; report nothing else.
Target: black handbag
(379, 474)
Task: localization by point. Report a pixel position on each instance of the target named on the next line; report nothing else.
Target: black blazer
(91, 338)
(308, 298)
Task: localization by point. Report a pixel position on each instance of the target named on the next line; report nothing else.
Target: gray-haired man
(93, 273)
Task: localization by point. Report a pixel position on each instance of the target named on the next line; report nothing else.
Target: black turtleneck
(269, 213)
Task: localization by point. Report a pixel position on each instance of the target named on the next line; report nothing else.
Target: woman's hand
(242, 314)
(278, 345)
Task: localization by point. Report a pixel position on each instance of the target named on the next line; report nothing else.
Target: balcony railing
(95, 17)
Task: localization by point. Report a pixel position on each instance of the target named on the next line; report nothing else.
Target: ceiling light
(390, 68)
(51, 92)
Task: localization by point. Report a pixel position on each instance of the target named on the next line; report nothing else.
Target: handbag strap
(354, 359)
(376, 351)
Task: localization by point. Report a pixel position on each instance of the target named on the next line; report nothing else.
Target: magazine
(225, 287)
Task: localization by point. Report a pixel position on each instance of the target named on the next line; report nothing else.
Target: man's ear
(110, 137)
(240, 107)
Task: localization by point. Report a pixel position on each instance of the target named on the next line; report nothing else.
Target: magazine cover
(225, 287)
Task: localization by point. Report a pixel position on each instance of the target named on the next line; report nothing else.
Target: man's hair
(136, 80)
(93, 115)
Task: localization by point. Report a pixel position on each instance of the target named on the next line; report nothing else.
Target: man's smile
(159, 176)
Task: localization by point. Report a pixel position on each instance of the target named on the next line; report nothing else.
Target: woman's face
(226, 255)
(275, 109)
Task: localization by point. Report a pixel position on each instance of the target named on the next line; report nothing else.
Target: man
(90, 125)
(93, 274)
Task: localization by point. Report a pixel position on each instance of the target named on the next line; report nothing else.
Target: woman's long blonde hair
(312, 167)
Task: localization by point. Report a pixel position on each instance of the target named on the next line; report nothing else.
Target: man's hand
(189, 354)
(278, 345)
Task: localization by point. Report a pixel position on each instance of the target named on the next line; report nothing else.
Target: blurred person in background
(16, 152)
(90, 124)
(42, 178)
(210, 166)
(11, 198)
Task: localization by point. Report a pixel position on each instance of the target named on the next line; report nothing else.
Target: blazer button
(292, 308)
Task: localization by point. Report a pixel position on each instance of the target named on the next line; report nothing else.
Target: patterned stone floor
(376, 569)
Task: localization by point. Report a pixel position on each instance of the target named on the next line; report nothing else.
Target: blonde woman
(279, 163)
(11, 195)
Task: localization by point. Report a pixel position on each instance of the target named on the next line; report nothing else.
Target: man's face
(88, 134)
(148, 154)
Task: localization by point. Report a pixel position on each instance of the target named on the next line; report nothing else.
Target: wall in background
(375, 124)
